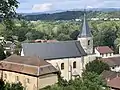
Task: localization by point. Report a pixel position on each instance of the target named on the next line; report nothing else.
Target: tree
(63, 37)
(2, 54)
(12, 86)
(89, 81)
(96, 66)
(93, 81)
(7, 12)
(74, 34)
(7, 8)
(8, 54)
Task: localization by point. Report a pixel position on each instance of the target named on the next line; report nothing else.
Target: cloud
(42, 7)
(52, 5)
(89, 7)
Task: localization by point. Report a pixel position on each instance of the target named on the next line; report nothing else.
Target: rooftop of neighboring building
(109, 74)
(43, 41)
(112, 79)
(34, 66)
(112, 61)
(114, 83)
(104, 49)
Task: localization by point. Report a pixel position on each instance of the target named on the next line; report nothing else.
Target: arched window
(74, 64)
(88, 42)
(62, 66)
(17, 79)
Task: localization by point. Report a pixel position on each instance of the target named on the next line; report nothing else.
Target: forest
(71, 15)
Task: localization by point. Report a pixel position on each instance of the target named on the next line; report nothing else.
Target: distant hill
(77, 13)
(68, 15)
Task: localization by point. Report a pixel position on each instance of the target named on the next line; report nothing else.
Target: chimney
(107, 79)
(117, 74)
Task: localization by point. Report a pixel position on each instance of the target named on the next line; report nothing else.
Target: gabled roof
(109, 74)
(86, 32)
(112, 61)
(34, 66)
(54, 50)
(112, 79)
(104, 49)
(114, 83)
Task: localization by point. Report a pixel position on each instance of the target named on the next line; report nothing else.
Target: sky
(30, 6)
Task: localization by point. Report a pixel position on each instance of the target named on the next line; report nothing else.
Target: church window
(5, 76)
(17, 79)
(88, 42)
(62, 66)
(28, 80)
(74, 64)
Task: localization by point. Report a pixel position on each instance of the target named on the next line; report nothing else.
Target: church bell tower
(85, 37)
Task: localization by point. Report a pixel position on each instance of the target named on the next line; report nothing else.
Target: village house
(113, 62)
(9, 47)
(69, 57)
(103, 51)
(112, 79)
(33, 72)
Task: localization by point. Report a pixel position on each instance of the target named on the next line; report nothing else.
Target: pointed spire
(86, 32)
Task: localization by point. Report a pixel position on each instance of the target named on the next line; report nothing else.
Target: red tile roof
(104, 49)
(114, 83)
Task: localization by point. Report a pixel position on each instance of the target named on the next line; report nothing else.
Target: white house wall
(104, 55)
(116, 69)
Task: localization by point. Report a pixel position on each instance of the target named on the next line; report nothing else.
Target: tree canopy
(7, 8)
(96, 66)
(12, 86)
(90, 81)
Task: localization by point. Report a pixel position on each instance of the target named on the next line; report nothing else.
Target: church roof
(54, 50)
(86, 32)
(34, 66)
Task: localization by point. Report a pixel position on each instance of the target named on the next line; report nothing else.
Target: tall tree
(7, 11)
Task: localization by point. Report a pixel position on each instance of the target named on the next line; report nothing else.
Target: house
(9, 46)
(43, 41)
(112, 79)
(103, 51)
(113, 62)
(33, 72)
(2, 39)
(69, 57)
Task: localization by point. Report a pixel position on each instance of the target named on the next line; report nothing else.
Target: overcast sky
(28, 6)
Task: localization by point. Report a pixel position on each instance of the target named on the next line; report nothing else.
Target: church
(69, 57)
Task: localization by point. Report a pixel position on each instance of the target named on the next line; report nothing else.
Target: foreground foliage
(8, 86)
(90, 81)
(96, 66)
